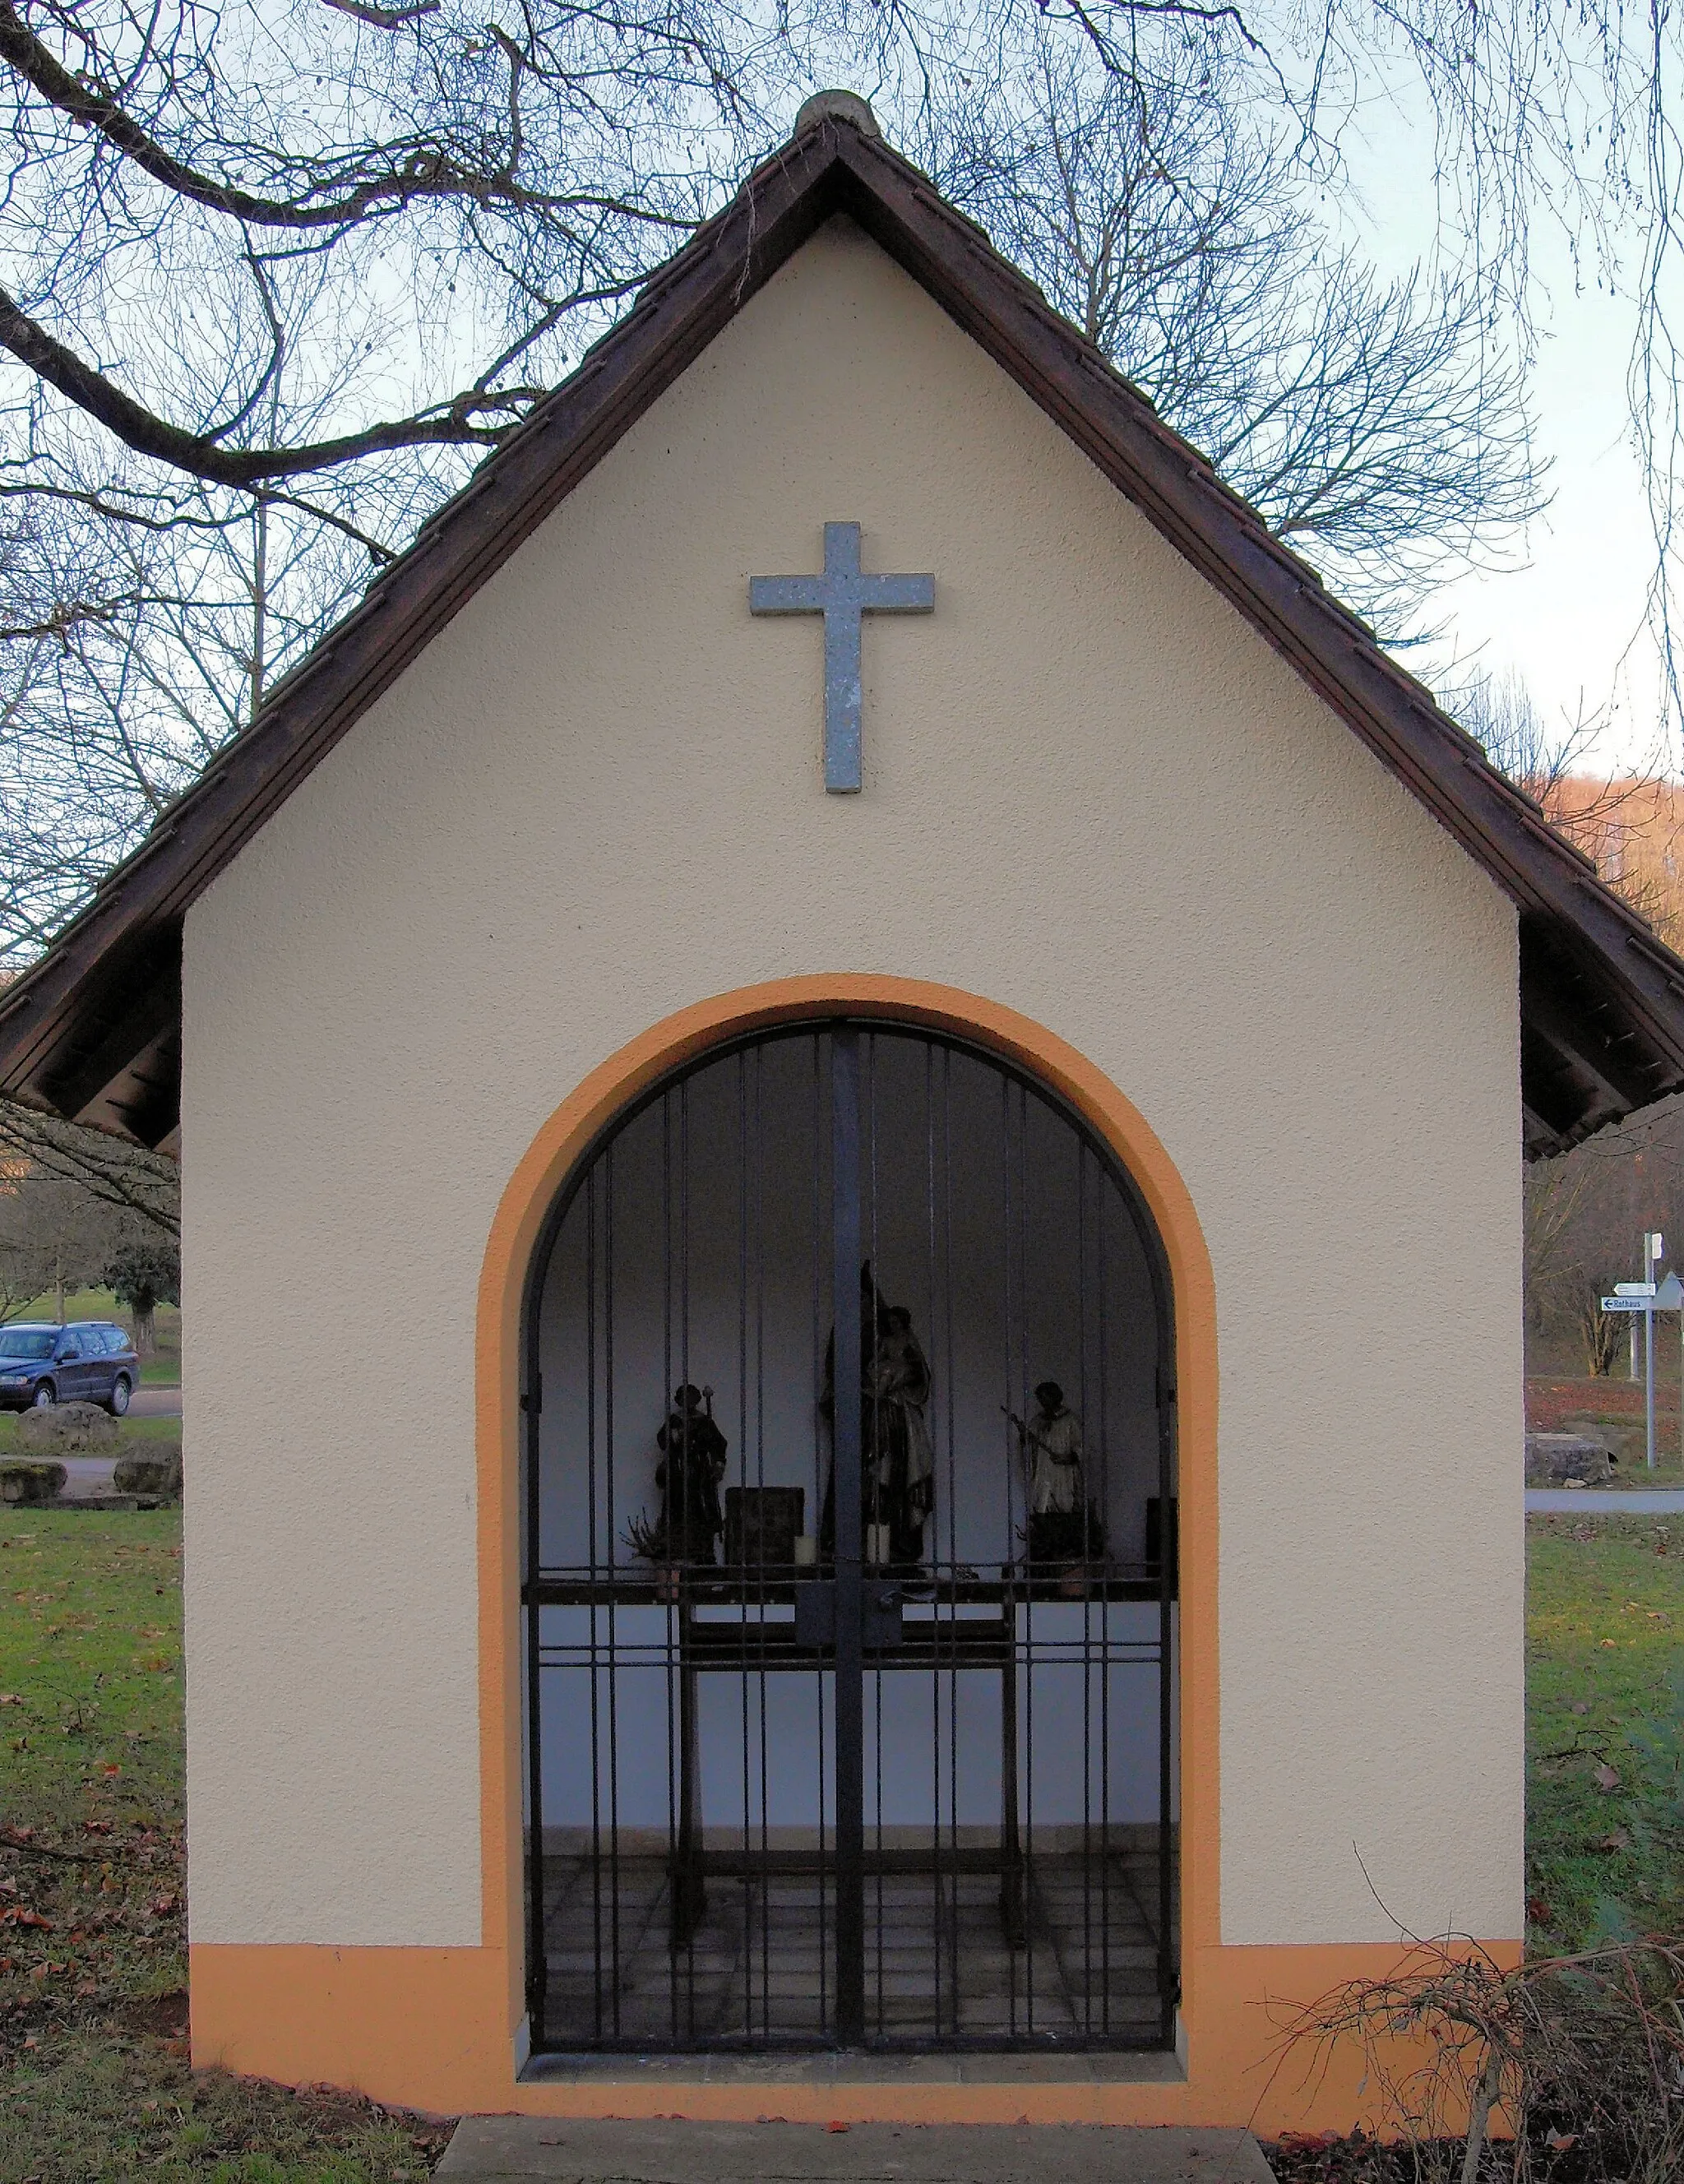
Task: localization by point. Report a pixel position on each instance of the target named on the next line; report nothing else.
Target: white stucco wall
(1094, 795)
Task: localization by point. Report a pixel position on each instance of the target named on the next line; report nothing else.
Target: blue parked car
(89, 1360)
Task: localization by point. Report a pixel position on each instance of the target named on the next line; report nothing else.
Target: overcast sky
(1572, 621)
(1572, 618)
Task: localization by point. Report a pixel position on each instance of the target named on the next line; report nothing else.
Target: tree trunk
(59, 1287)
(1597, 1327)
(1485, 2099)
(146, 1331)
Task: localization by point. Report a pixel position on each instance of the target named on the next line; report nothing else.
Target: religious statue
(1061, 1526)
(689, 1473)
(897, 1458)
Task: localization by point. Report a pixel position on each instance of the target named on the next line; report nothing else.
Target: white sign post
(1648, 1297)
(1652, 1251)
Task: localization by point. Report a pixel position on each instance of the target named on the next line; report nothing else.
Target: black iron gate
(849, 1719)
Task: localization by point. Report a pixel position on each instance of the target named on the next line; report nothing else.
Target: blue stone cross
(842, 594)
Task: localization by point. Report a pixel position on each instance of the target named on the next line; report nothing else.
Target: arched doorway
(849, 1723)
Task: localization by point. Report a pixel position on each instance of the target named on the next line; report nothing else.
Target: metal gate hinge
(1166, 1384)
(533, 1399)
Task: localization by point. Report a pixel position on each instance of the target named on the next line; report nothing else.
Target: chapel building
(839, 972)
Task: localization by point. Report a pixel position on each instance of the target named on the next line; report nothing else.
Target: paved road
(87, 1474)
(659, 2152)
(1589, 1502)
(155, 1403)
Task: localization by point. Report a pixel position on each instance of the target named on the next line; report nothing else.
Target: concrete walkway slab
(488, 2147)
(1600, 1501)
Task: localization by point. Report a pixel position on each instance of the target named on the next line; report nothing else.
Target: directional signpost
(1648, 1297)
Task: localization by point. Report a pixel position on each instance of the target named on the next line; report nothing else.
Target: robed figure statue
(897, 1462)
(1063, 1525)
(691, 1464)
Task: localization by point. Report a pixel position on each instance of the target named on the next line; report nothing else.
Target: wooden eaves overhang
(93, 1031)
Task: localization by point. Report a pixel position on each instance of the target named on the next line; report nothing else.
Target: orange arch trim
(532, 1189)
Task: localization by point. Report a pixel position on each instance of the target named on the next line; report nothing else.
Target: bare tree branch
(384, 19)
(401, 172)
(201, 456)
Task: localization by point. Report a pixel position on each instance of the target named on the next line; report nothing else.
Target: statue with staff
(1061, 1527)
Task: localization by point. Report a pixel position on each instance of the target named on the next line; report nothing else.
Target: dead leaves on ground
(76, 1923)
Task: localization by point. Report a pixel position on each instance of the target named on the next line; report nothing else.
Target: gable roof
(93, 1031)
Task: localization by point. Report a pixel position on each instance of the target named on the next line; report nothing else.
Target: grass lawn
(94, 2082)
(131, 1430)
(1605, 1726)
(1572, 1403)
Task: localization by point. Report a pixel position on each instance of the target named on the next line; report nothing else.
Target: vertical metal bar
(613, 1623)
(876, 1506)
(681, 1617)
(669, 1612)
(536, 1962)
(844, 1194)
(1028, 1596)
(743, 1591)
(955, 1967)
(1087, 1607)
(1168, 1562)
(590, 1549)
(760, 1474)
(1102, 1211)
(933, 1557)
(825, 2019)
(1011, 1891)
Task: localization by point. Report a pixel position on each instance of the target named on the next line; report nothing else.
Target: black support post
(850, 1905)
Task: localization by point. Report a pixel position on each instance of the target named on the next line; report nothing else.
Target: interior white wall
(932, 1742)
(739, 1299)
(979, 1203)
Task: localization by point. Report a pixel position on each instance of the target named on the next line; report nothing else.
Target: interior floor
(939, 1968)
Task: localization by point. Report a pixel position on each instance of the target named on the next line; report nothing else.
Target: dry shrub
(1564, 2070)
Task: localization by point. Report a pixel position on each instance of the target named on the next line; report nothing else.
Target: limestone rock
(1562, 1459)
(158, 1470)
(30, 1483)
(68, 1429)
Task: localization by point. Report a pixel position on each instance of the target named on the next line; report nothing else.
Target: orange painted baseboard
(429, 2029)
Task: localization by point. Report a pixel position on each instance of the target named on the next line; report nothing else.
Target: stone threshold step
(665, 2152)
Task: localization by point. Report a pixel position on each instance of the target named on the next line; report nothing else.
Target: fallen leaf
(10, 1698)
(1582, 1706)
(19, 1915)
(1607, 1777)
(1617, 1840)
(1607, 1642)
(1559, 2141)
(1538, 1911)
